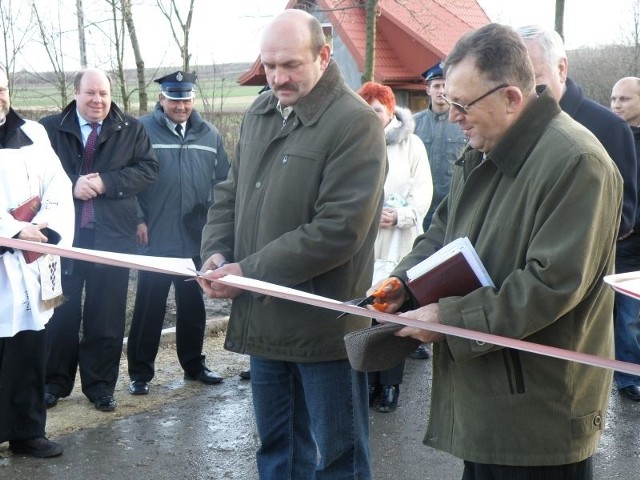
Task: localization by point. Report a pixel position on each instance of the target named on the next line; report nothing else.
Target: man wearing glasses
(539, 198)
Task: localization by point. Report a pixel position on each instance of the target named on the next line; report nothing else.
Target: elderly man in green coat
(540, 199)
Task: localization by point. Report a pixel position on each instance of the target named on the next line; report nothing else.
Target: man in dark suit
(109, 159)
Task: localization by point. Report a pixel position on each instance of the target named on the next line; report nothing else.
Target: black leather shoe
(245, 375)
(205, 376)
(50, 400)
(40, 447)
(389, 398)
(375, 389)
(139, 387)
(632, 392)
(420, 353)
(106, 403)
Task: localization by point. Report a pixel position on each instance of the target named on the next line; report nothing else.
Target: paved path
(211, 435)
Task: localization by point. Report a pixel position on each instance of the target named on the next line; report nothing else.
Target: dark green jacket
(543, 213)
(300, 208)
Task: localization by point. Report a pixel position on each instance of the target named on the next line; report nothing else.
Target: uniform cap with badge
(434, 72)
(178, 85)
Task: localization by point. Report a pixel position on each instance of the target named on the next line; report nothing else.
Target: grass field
(217, 96)
(217, 89)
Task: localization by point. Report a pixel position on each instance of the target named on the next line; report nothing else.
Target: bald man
(109, 160)
(300, 208)
(625, 102)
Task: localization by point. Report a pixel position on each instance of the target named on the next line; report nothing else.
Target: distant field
(220, 96)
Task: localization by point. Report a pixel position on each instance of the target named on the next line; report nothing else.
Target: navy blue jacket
(628, 250)
(615, 135)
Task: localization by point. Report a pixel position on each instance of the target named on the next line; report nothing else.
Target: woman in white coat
(407, 196)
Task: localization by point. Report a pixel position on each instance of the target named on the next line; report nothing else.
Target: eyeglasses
(464, 109)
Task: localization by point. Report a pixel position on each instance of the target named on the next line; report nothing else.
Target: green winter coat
(542, 212)
(300, 208)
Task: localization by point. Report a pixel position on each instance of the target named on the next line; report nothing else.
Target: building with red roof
(411, 36)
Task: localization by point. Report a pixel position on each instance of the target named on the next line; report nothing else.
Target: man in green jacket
(300, 208)
(540, 199)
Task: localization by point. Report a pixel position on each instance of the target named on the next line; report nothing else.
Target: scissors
(358, 302)
(378, 297)
(199, 273)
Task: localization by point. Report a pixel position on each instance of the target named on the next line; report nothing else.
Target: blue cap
(433, 72)
(178, 85)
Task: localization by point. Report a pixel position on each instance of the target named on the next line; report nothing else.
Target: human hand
(217, 267)
(32, 232)
(142, 234)
(97, 184)
(388, 217)
(427, 314)
(88, 186)
(389, 295)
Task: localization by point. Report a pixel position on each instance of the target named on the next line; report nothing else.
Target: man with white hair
(551, 66)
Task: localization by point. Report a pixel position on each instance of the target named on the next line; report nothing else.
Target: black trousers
(148, 318)
(392, 376)
(572, 471)
(22, 411)
(102, 317)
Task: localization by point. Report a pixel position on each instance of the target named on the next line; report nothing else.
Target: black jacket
(126, 163)
(616, 137)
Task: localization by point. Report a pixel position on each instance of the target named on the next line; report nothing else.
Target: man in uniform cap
(173, 211)
(178, 85)
(433, 72)
(444, 141)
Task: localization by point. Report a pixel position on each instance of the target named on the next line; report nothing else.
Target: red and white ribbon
(180, 266)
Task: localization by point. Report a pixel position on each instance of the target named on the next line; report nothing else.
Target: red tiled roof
(411, 35)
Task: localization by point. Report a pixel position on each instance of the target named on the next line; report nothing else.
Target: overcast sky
(226, 31)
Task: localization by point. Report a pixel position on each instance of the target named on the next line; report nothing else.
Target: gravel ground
(75, 412)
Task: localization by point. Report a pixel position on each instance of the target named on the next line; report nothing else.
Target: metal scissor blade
(198, 273)
(357, 302)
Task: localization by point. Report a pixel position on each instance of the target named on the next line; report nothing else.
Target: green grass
(232, 96)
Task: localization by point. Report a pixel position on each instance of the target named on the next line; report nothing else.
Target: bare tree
(133, 37)
(118, 32)
(635, 39)
(14, 38)
(51, 39)
(371, 7)
(560, 18)
(81, 38)
(179, 28)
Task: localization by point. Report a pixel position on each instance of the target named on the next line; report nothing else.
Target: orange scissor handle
(386, 289)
